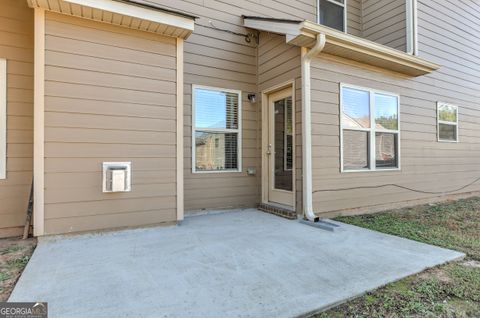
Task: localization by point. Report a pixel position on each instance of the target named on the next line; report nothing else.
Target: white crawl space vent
(116, 176)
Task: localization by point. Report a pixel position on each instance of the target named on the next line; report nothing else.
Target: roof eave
(160, 21)
(304, 34)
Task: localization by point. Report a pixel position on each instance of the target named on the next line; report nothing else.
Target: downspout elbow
(307, 57)
(317, 48)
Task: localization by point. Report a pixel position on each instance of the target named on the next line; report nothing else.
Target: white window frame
(372, 130)
(3, 118)
(218, 130)
(345, 16)
(451, 123)
(412, 26)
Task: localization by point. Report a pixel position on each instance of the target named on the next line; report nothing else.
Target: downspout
(307, 57)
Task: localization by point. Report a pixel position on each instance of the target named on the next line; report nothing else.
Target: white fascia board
(138, 12)
(288, 28)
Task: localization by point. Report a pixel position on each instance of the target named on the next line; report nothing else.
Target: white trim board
(3, 118)
(180, 159)
(412, 26)
(39, 124)
(122, 14)
(137, 12)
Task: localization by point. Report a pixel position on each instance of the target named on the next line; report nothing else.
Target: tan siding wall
(426, 164)
(384, 22)
(278, 63)
(219, 59)
(16, 45)
(354, 17)
(110, 96)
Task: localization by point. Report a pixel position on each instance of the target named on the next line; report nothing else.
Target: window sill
(370, 170)
(216, 171)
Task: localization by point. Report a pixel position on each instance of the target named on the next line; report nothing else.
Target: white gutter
(307, 57)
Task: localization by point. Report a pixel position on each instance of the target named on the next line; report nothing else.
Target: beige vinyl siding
(384, 22)
(220, 59)
(425, 163)
(110, 95)
(16, 46)
(279, 63)
(354, 17)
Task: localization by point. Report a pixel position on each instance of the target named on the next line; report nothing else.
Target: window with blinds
(216, 134)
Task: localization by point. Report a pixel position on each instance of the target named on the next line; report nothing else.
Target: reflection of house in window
(215, 151)
(216, 129)
(385, 148)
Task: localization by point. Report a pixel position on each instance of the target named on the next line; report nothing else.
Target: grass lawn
(451, 290)
(14, 256)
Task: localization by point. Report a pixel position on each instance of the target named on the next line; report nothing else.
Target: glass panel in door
(283, 144)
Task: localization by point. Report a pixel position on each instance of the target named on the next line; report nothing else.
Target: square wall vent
(117, 177)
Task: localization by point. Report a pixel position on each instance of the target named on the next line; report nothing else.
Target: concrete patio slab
(237, 264)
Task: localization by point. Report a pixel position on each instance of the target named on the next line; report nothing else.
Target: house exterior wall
(384, 22)
(16, 46)
(279, 63)
(354, 17)
(426, 164)
(111, 92)
(110, 95)
(220, 59)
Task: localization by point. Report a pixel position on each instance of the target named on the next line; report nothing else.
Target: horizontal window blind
(216, 130)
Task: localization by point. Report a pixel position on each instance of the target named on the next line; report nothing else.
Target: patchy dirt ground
(14, 256)
(451, 290)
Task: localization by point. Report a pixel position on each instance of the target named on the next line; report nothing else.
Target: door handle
(269, 150)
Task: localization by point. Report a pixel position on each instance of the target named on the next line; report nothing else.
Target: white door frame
(265, 138)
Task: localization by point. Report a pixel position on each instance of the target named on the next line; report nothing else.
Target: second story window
(332, 13)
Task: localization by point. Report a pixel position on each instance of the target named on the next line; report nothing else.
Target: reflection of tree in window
(360, 108)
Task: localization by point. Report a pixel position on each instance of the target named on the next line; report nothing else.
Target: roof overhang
(133, 14)
(304, 34)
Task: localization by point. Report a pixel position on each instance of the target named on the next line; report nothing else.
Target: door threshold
(278, 210)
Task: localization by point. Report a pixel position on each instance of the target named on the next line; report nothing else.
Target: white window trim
(345, 16)
(238, 131)
(3, 118)
(440, 104)
(412, 26)
(371, 130)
